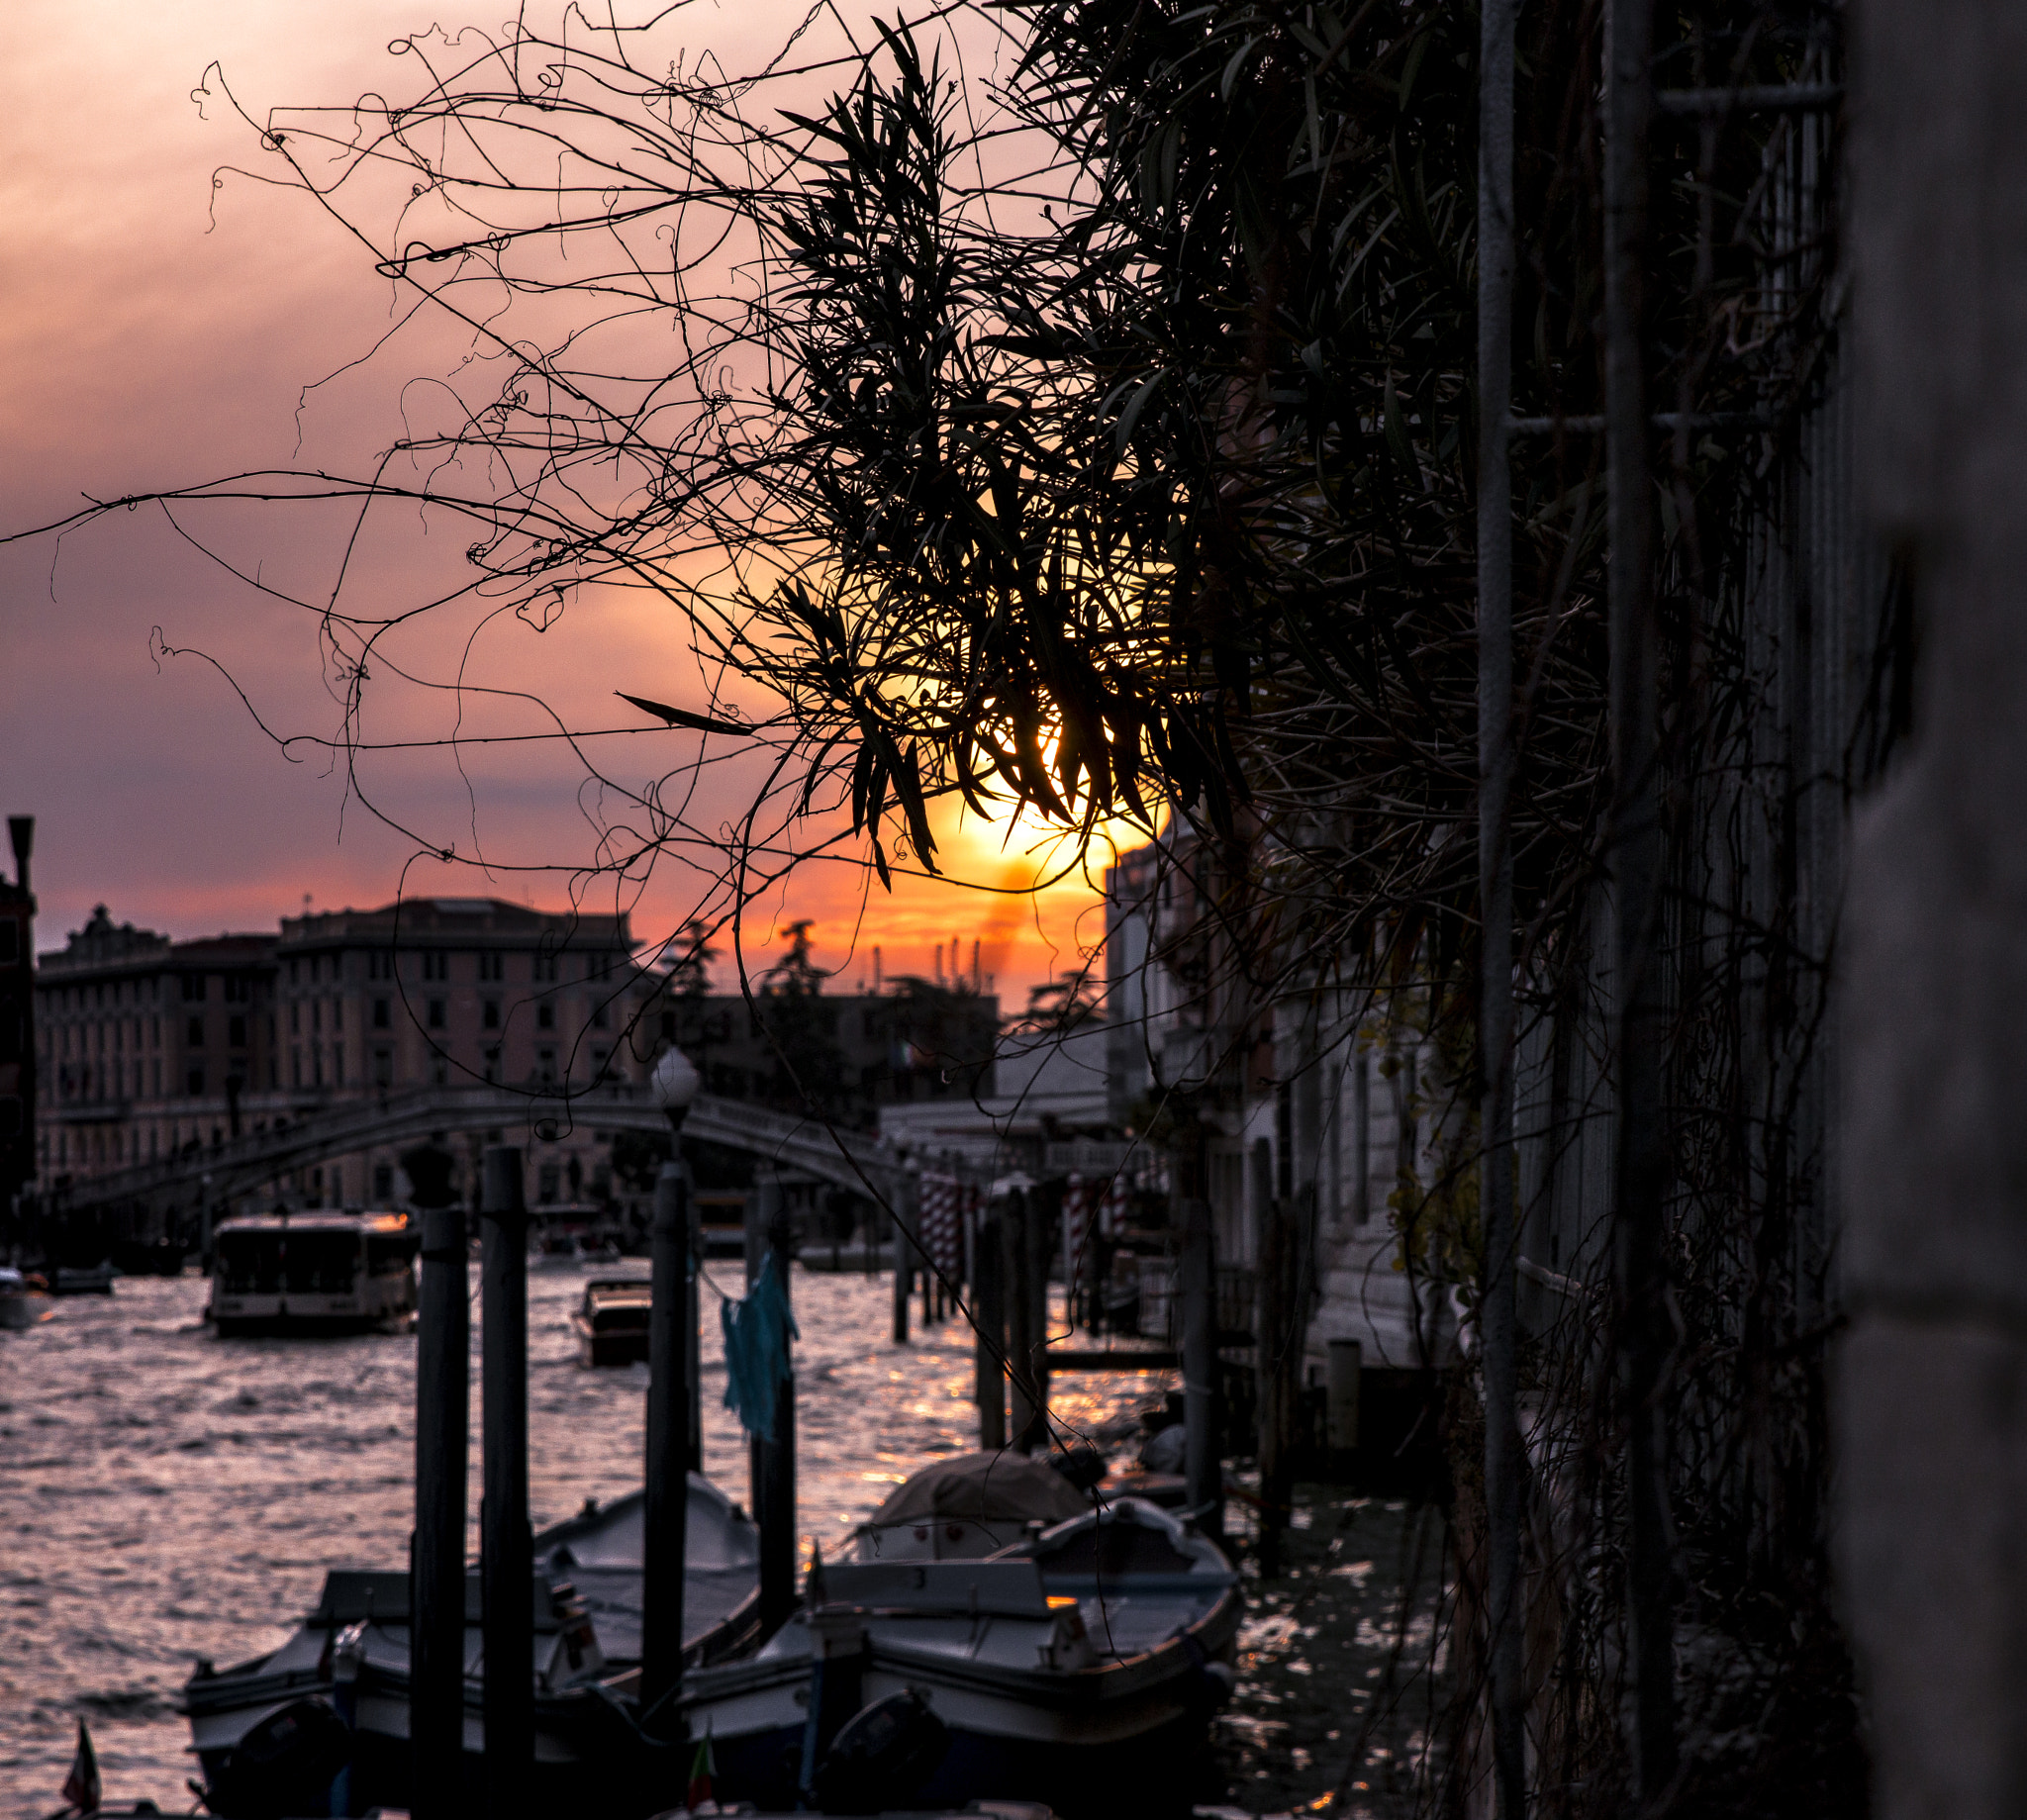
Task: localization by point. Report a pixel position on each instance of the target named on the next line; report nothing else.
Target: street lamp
(675, 1082)
(672, 1379)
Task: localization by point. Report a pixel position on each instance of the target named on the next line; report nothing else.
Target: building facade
(148, 1045)
(152, 1047)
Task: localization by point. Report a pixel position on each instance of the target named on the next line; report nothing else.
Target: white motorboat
(24, 1301)
(1076, 1666)
(271, 1737)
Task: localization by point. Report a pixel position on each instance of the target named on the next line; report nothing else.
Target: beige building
(457, 991)
(150, 1048)
(146, 1045)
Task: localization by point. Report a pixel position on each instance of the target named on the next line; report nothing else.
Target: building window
(383, 1015)
(440, 1071)
(601, 1015)
(546, 969)
(237, 988)
(317, 1066)
(545, 1015)
(383, 1181)
(193, 988)
(338, 1014)
(383, 1067)
(337, 1064)
(155, 1073)
(492, 967)
(295, 1018)
(294, 976)
(155, 1031)
(493, 1064)
(295, 1067)
(489, 1013)
(601, 1061)
(547, 1179)
(235, 1033)
(316, 1016)
(436, 966)
(545, 1065)
(193, 1083)
(193, 1033)
(436, 1018)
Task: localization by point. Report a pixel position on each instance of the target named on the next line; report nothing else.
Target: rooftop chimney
(20, 830)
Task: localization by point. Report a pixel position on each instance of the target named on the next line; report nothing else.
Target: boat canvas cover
(983, 1489)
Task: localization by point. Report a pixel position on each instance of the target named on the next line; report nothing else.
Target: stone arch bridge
(241, 1166)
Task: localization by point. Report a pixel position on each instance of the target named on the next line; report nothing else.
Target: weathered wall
(1932, 1398)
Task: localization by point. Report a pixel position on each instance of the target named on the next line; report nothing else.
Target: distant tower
(16, 1027)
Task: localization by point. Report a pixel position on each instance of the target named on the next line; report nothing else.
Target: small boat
(271, 1737)
(1076, 1666)
(86, 1279)
(24, 1301)
(611, 1322)
(314, 1273)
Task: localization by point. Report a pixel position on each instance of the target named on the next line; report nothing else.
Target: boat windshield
(321, 1262)
(250, 1262)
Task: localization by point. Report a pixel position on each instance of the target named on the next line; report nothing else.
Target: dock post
(507, 1554)
(667, 1508)
(1044, 1205)
(989, 1315)
(436, 1597)
(775, 1461)
(443, 1436)
(693, 1319)
(906, 1219)
(1017, 1295)
(1199, 1274)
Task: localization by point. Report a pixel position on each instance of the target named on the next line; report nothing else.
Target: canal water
(166, 1495)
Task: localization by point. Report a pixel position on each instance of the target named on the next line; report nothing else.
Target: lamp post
(670, 1335)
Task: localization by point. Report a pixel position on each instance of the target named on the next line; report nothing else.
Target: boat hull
(595, 1350)
(1080, 1670)
(1151, 1758)
(586, 1746)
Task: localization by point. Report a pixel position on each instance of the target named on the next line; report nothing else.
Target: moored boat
(611, 1323)
(272, 1734)
(1077, 1667)
(24, 1300)
(313, 1273)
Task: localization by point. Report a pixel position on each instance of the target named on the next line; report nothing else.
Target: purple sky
(158, 332)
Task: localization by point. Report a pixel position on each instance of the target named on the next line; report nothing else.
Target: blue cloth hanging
(757, 1332)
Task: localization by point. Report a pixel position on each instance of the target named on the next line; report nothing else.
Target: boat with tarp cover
(999, 1635)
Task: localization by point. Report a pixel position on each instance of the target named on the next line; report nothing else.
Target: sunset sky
(158, 332)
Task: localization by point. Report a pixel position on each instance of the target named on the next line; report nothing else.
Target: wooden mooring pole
(437, 1592)
(667, 1511)
(507, 1552)
(1202, 1468)
(774, 1462)
(989, 1314)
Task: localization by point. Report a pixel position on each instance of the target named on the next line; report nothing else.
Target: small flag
(702, 1767)
(81, 1786)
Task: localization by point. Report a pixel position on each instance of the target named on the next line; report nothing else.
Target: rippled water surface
(166, 1495)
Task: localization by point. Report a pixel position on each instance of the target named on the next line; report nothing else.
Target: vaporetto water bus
(314, 1273)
